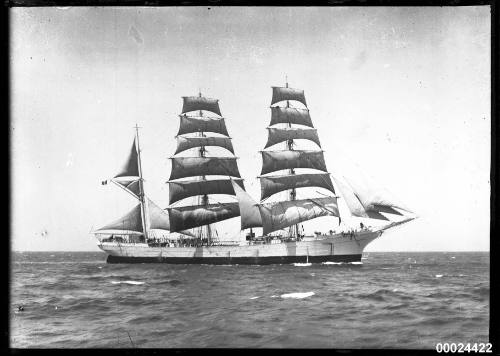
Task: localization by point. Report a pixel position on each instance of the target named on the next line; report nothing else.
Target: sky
(402, 94)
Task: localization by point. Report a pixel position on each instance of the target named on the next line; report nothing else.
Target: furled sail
(131, 185)
(277, 135)
(131, 166)
(278, 160)
(249, 208)
(274, 184)
(281, 115)
(189, 124)
(185, 143)
(281, 94)
(188, 217)
(277, 216)
(183, 189)
(199, 166)
(194, 103)
(131, 222)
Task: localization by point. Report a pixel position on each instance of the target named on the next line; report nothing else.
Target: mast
(203, 200)
(290, 212)
(142, 199)
(195, 122)
(294, 229)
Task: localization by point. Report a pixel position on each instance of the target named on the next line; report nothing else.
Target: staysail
(367, 203)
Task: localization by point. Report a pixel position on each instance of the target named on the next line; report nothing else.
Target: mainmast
(204, 197)
(294, 229)
(195, 122)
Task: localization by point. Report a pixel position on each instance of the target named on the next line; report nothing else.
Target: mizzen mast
(142, 199)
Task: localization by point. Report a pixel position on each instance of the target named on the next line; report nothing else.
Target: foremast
(289, 213)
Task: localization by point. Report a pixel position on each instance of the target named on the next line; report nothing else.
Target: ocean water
(391, 300)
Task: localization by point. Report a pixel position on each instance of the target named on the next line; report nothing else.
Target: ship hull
(233, 260)
(326, 248)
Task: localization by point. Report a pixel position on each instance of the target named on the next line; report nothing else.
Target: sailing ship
(184, 233)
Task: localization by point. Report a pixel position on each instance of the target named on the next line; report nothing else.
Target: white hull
(319, 249)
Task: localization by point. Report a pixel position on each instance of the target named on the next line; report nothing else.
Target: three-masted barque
(184, 232)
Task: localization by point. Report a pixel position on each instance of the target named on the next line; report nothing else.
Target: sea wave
(297, 295)
(127, 282)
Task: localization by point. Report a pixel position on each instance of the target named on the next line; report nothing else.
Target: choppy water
(393, 300)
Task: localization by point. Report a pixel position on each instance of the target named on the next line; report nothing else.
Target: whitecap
(254, 297)
(356, 263)
(439, 275)
(332, 263)
(453, 257)
(302, 264)
(274, 296)
(127, 282)
(297, 295)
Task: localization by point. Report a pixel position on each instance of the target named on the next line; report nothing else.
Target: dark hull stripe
(234, 260)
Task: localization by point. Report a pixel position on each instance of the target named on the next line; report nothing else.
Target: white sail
(131, 185)
(281, 115)
(277, 135)
(278, 160)
(190, 124)
(274, 184)
(200, 166)
(371, 197)
(277, 216)
(183, 189)
(249, 208)
(130, 222)
(195, 103)
(187, 217)
(185, 143)
(131, 166)
(281, 94)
